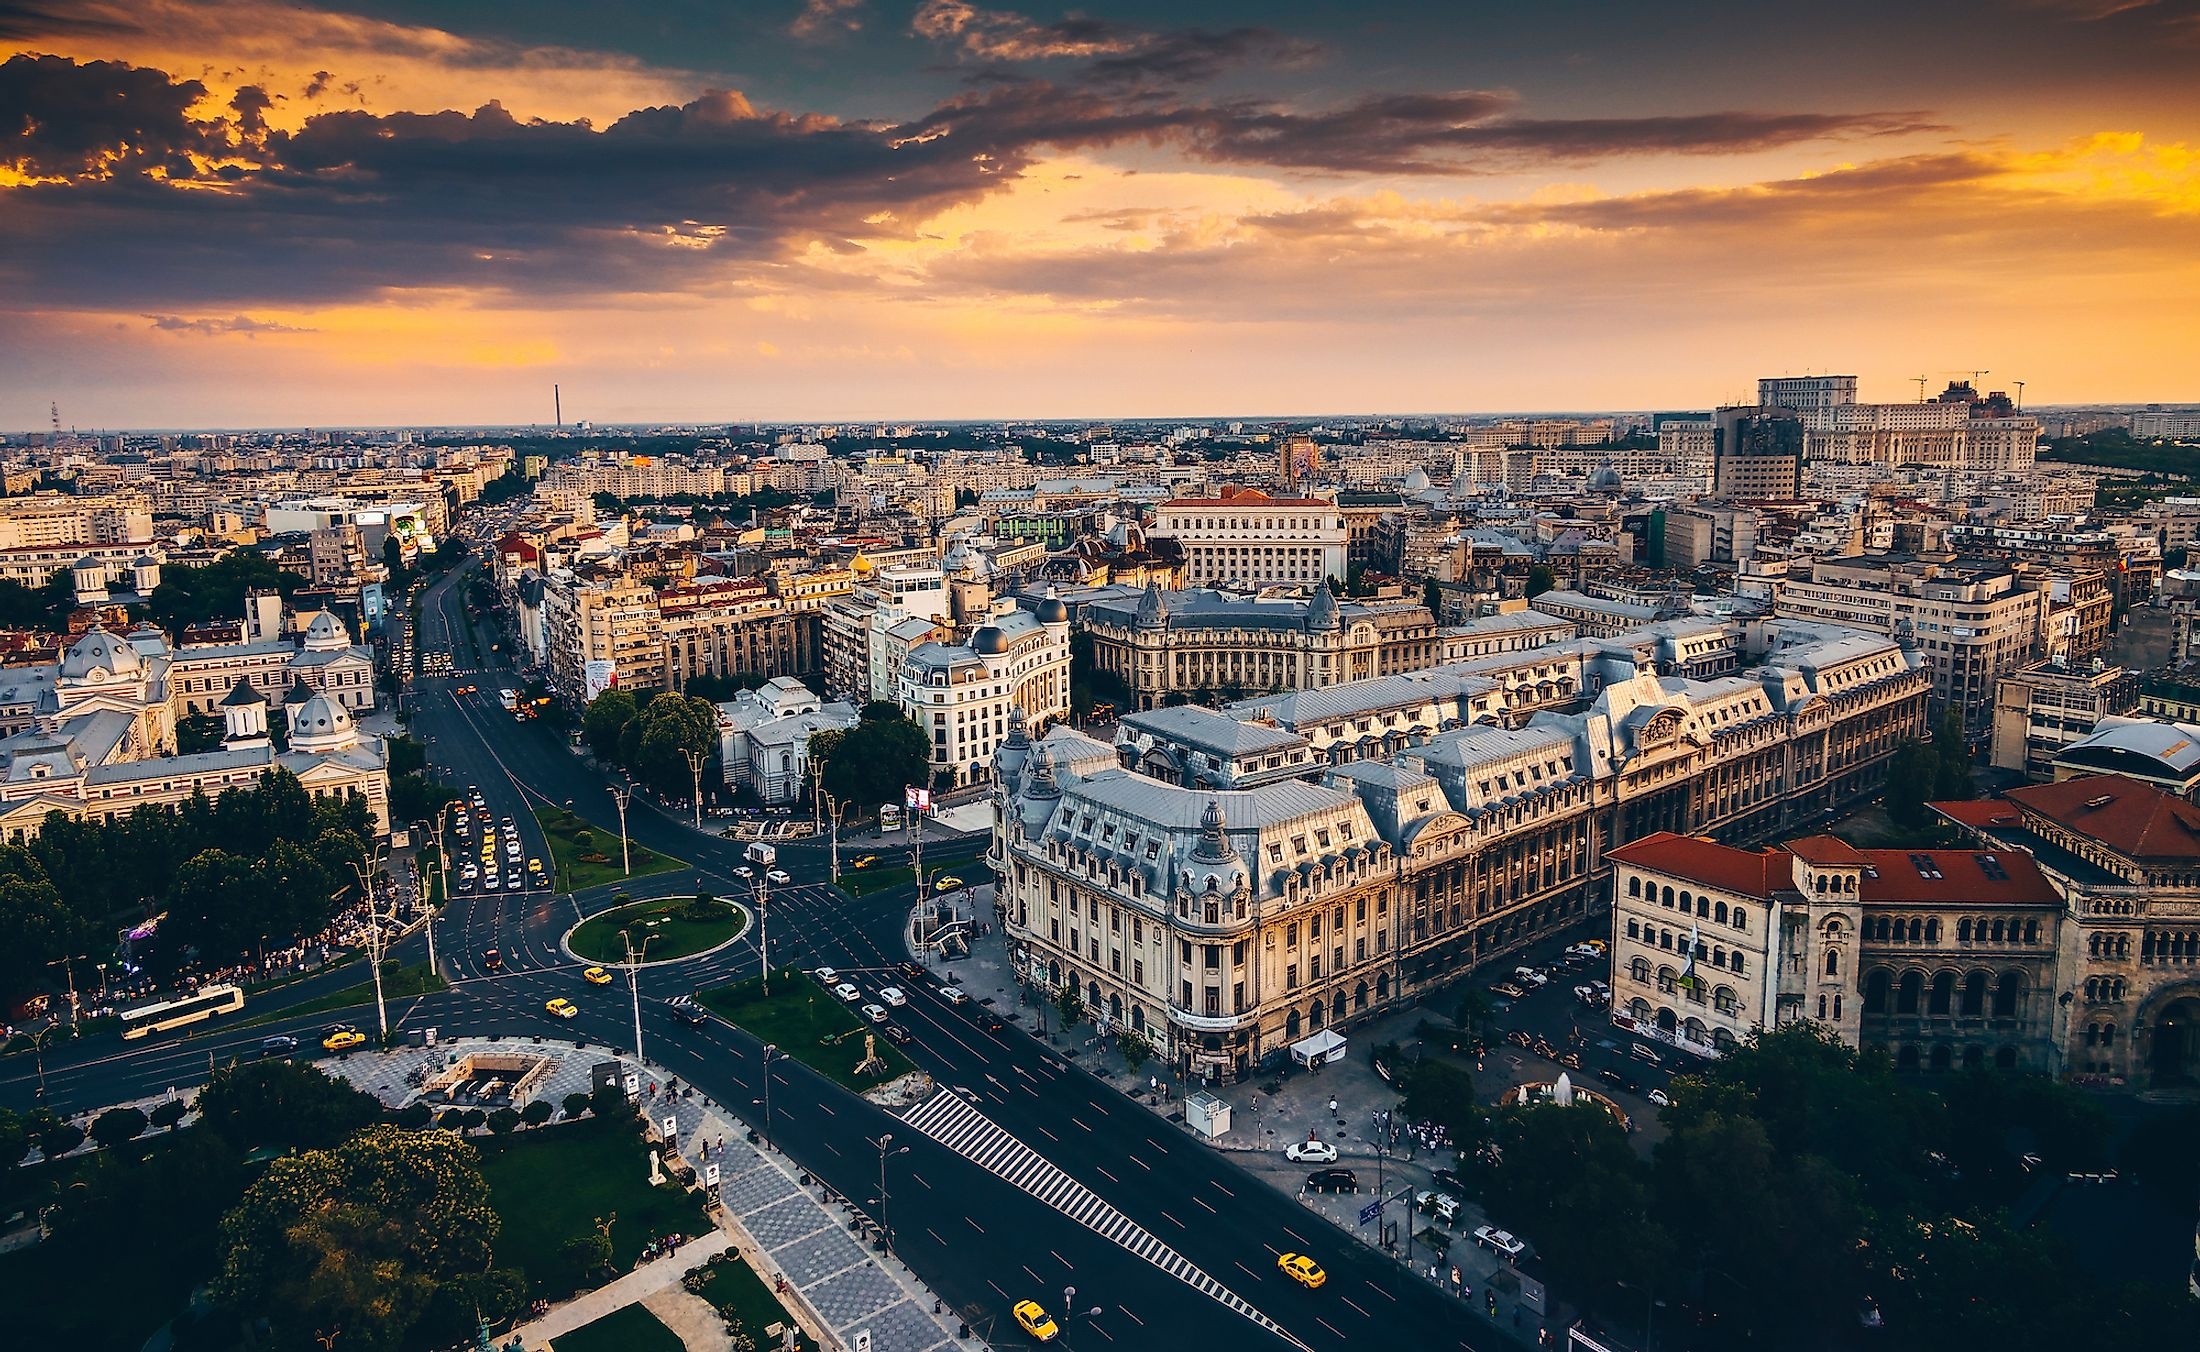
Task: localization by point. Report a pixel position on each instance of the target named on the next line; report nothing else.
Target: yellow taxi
(1035, 1321)
(864, 861)
(596, 976)
(946, 883)
(343, 1039)
(1303, 1270)
(562, 1007)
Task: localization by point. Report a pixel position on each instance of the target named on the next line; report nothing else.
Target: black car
(895, 1033)
(278, 1045)
(913, 970)
(991, 1022)
(1611, 1077)
(492, 961)
(1447, 1180)
(1333, 1180)
(687, 1011)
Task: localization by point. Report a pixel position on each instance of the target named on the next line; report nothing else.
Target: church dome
(320, 724)
(1417, 481)
(989, 642)
(99, 655)
(1053, 611)
(1605, 480)
(326, 632)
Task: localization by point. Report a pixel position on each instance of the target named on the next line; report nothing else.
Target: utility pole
(837, 807)
(916, 836)
(619, 795)
(696, 761)
(885, 1139)
(634, 986)
(68, 967)
(763, 933)
(367, 872)
(771, 1049)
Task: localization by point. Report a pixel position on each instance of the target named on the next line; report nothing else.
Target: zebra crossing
(952, 1121)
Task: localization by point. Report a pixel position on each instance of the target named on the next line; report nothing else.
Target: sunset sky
(245, 213)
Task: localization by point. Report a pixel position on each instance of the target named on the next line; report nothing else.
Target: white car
(489, 883)
(1310, 1152)
(1658, 1096)
(1529, 976)
(744, 872)
(513, 882)
(1442, 1205)
(828, 975)
(893, 995)
(847, 992)
(874, 1013)
(953, 994)
(778, 877)
(1502, 1241)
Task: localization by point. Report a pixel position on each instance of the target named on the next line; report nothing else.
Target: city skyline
(852, 210)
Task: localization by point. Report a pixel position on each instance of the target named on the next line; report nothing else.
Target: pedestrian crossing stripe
(954, 1123)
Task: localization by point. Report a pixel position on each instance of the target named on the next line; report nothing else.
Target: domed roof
(1053, 611)
(1322, 615)
(145, 561)
(318, 722)
(1605, 480)
(860, 565)
(326, 631)
(88, 562)
(1417, 481)
(100, 652)
(1214, 866)
(989, 642)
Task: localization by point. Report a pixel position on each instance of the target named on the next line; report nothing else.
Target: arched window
(1833, 962)
(1739, 967)
(1667, 899)
(2005, 995)
(1963, 930)
(1974, 995)
(1639, 969)
(1741, 919)
(1932, 931)
(1291, 1025)
(1912, 989)
(1944, 993)
(1997, 931)
(1634, 886)
(1665, 939)
(2031, 931)
(1718, 912)
(1876, 988)
(1686, 899)
(1917, 930)
(1718, 957)
(1632, 930)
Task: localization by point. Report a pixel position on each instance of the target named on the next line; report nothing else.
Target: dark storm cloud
(19, 20)
(59, 119)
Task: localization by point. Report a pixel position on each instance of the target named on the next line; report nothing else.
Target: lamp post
(634, 985)
(696, 761)
(620, 794)
(837, 808)
(886, 1233)
(68, 968)
(771, 1049)
(762, 895)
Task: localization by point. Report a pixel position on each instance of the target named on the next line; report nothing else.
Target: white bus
(208, 1003)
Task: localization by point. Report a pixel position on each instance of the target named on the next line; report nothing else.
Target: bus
(213, 1000)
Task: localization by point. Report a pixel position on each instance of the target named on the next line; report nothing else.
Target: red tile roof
(1247, 497)
(1979, 813)
(1966, 876)
(1747, 873)
(1829, 851)
(2136, 820)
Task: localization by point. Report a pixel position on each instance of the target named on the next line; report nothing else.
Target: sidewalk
(645, 1280)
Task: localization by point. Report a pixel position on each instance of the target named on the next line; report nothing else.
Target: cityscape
(734, 677)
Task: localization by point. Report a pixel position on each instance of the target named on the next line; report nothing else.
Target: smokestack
(557, 407)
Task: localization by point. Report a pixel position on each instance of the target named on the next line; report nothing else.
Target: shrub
(452, 1119)
(415, 1115)
(576, 1104)
(15, 1139)
(584, 1258)
(536, 1112)
(611, 1102)
(167, 1113)
(118, 1125)
(702, 911)
(59, 1139)
(585, 839)
(473, 1117)
(503, 1120)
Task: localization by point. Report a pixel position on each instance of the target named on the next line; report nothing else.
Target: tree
(194, 595)
(503, 1120)
(15, 1138)
(1540, 580)
(167, 1113)
(1070, 1003)
(357, 1239)
(1137, 1051)
(878, 758)
(393, 560)
(1439, 1092)
(41, 929)
(283, 1103)
(59, 1139)
(1567, 1176)
(1952, 774)
(117, 1126)
(1432, 596)
(665, 733)
(586, 1258)
(536, 1112)
(1911, 772)
(576, 1103)
(611, 1103)
(607, 717)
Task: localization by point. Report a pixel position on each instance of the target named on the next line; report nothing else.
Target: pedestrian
(1332, 1104)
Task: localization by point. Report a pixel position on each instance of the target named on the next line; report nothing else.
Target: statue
(871, 1064)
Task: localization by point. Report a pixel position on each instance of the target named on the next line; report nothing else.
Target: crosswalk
(951, 1120)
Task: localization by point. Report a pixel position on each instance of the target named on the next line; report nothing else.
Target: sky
(265, 213)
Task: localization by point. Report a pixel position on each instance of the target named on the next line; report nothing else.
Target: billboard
(597, 676)
(914, 799)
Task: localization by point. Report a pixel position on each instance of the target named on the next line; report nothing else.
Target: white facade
(964, 696)
(1248, 540)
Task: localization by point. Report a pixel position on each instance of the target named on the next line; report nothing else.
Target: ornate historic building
(1182, 643)
(2065, 939)
(1241, 888)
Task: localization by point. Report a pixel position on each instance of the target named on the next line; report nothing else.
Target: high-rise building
(1758, 455)
(1806, 395)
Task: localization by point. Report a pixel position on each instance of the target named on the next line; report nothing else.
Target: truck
(760, 854)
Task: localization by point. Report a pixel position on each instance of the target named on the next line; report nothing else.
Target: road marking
(1063, 1261)
(1124, 1308)
(1210, 1210)
(1141, 1164)
(1349, 1301)
(822, 1105)
(1219, 1188)
(1327, 1325)
(1080, 1126)
(1173, 1221)
(1034, 1275)
(1103, 1333)
(1381, 1292)
(1048, 1134)
(1295, 1235)
(1246, 1270)
(1157, 1145)
(1105, 1174)
(974, 1225)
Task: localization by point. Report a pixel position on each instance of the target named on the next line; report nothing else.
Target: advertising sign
(598, 675)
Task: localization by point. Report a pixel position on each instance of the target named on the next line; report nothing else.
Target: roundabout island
(662, 929)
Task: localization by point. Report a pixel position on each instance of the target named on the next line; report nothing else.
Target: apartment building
(1972, 621)
(614, 620)
(2042, 708)
(965, 696)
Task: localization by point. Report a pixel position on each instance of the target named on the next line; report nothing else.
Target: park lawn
(629, 1329)
(553, 1184)
(669, 934)
(807, 1023)
(398, 983)
(734, 1288)
(575, 874)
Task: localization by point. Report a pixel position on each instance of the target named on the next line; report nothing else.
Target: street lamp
(771, 1049)
(885, 1139)
(633, 984)
(696, 761)
(367, 870)
(620, 794)
(762, 897)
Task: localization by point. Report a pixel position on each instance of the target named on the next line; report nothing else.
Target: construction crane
(1921, 380)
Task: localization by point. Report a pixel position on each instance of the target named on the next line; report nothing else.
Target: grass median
(586, 855)
(631, 1328)
(398, 983)
(670, 927)
(739, 1294)
(808, 1023)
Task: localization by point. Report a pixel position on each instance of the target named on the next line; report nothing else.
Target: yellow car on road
(1035, 1321)
(596, 976)
(1303, 1270)
(562, 1007)
(343, 1039)
(946, 883)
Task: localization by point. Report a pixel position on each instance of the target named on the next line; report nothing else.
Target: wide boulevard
(975, 1238)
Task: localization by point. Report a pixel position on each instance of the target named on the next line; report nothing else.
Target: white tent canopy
(1323, 1046)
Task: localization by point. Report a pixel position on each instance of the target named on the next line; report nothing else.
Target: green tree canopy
(282, 1103)
(877, 758)
(664, 733)
(1540, 580)
(607, 717)
(1567, 1179)
(358, 1239)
